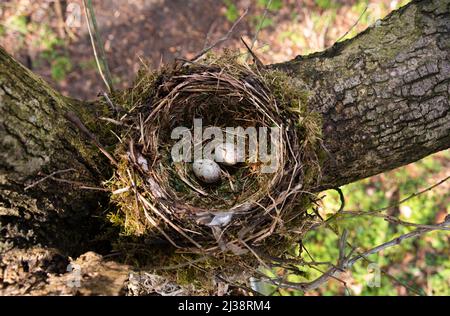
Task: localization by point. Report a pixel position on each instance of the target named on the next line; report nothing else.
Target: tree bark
(384, 95)
(384, 98)
(36, 141)
(44, 220)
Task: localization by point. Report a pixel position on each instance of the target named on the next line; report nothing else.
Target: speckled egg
(206, 170)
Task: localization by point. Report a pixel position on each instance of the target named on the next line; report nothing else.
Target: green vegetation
(60, 67)
(88, 64)
(18, 24)
(419, 265)
(275, 5)
(325, 4)
(263, 20)
(51, 46)
(231, 12)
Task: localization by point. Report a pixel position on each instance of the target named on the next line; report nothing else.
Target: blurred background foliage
(50, 37)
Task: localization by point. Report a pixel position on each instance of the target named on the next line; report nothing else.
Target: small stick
(222, 39)
(47, 177)
(353, 26)
(120, 191)
(110, 103)
(79, 184)
(118, 123)
(71, 117)
(52, 177)
(258, 62)
(261, 23)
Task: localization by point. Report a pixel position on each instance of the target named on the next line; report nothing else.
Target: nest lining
(162, 199)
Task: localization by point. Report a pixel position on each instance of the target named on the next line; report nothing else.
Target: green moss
(284, 88)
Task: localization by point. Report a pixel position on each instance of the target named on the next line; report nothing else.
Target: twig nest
(256, 204)
(206, 170)
(226, 154)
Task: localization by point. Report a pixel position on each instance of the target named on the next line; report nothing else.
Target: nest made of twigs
(162, 199)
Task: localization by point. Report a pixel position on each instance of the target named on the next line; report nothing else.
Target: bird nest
(257, 203)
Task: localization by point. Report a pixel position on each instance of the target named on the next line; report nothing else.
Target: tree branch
(383, 95)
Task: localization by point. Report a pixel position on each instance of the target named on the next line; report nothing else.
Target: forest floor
(55, 44)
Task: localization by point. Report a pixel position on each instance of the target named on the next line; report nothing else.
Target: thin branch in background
(394, 220)
(63, 28)
(348, 262)
(377, 211)
(415, 194)
(60, 18)
(395, 241)
(342, 244)
(100, 44)
(402, 283)
(263, 18)
(97, 43)
(354, 24)
(47, 177)
(220, 40)
(210, 31)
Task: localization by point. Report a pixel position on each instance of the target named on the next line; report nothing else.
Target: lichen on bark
(384, 95)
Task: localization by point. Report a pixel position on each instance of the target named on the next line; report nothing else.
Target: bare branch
(334, 272)
(260, 24)
(222, 39)
(354, 24)
(377, 212)
(47, 177)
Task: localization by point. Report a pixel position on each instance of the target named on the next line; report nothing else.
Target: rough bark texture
(35, 141)
(44, 222)
(384, 95)
(44, 271)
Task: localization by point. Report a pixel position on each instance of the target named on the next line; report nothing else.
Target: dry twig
(220, 40)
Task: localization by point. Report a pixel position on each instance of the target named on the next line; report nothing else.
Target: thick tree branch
(384, 95)
(37, 141)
